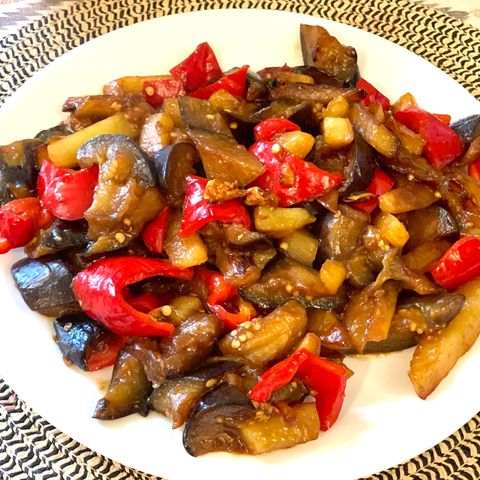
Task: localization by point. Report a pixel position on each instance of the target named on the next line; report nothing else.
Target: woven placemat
(30, 447)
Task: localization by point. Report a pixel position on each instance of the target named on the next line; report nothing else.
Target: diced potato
(299, 424)
(63, 152)
(297, 142)
(170, 107)
(406, 100)
(338, 107)
(374, 133)
(223, 100)
(333, 274)
(310, 342)
(183, 307)
(392, 229)
(156, 132)
(300, 245)
(133, 84)
(412, 196)
(270, 338)
(411, 141)
(436, 354)
(337, 132)
(184, 252)
(276, 219)
(292, 77)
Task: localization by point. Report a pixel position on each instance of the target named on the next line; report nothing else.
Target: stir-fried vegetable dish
(226, 239)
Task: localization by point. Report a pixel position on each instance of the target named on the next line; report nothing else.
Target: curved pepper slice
(271, 127)
(459, 264)
(20, 220)
(100, 291)
(153, 234)
(197, 212)
(373, 95)
(66, 193)
(234, 82)
(327, 379)
(221, 291)
(380, 184)
(290, 178)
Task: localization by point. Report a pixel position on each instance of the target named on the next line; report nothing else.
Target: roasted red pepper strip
(221, 291)
(442, 144)
(459, 264)
(198, 69)
(153, 234)
(100, 291)
(234, 82)
(327, 380)
(145, 302)
(19, 222)
(380, 184)
(443, 117)
(373, 95)
(474, 169)
(104, 352)
(197, 212)
(290, 178)
(156, 91)
(64, 192)
(270, 128)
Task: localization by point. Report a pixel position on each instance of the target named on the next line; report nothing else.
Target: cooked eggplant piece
(288, 278)
(60, 235)
(46, 286)
(130, 386)
(325, 52)
(191, 343)
(369, 313)
(130, 84)
(437, 353)
(300, 246)
(125, 198)
(241, 127)
(319, 76)
(432, 223)
(332, 333)
(18, 174)
(172, 165)
(256, 88)
(467, 128)
(176, 397)
(304, 92)
(268, 338)
(224, 158)
(280, 221)
(237, 267)
(237, 236)
(360, 268)
(360, 169)
(340, 233)
(421, 258)
(156, 133)
(59, 130)
(213, 423)
(78, 337)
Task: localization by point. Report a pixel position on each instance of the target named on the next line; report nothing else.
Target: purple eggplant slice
(467, 128)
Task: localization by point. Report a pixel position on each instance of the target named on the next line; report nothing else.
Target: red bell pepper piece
(19, 222)
(234, 82)
(221, 291)
(327, 379)
(198, 69)
(153, 234)
(443, 117)
(65, 192)
(474, 169)
(104, 352)
(270, 128)
(156, 91)
(459, 264)
(290, 178)
(197, 212)
(373, 95)
(100, 291)
(442, 144)
(380, 184)
(145, 302)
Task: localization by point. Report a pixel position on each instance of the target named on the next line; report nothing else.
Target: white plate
(383, 422)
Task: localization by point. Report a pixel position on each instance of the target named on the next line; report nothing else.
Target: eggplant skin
(46, 286)
(467, 128)
(74, 334)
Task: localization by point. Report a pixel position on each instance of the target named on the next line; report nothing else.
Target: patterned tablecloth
(31, 448)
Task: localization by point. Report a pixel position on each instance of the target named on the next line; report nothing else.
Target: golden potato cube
(300, 245)
(338, 107)
(310, 342)
(337, 132)
(63, 152)
(392, 229)
(297, 142)
(332, 274)
(276, 219)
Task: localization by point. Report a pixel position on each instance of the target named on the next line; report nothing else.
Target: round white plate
(383, 422)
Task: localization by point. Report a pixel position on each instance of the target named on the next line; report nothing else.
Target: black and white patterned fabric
(31, 448)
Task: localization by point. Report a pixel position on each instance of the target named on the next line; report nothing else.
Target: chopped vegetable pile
(226, 239)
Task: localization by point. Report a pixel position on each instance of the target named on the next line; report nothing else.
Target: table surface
(31, 448)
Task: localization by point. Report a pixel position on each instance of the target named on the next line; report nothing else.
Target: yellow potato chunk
(337, 132)
(297, 142)
(333, 274)
(392, 229)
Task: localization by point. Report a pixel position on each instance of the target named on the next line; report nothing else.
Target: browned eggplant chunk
(46, 286)
(467, 128)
